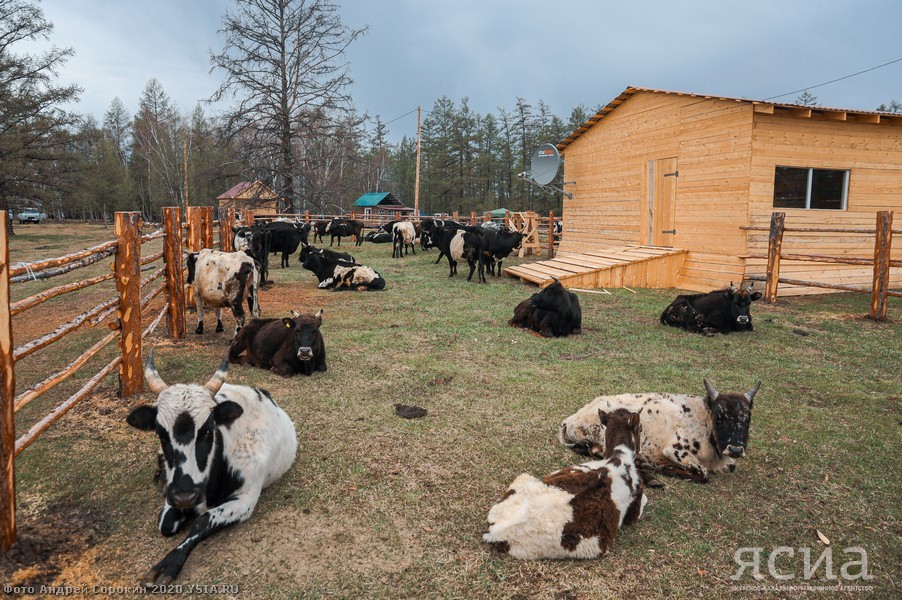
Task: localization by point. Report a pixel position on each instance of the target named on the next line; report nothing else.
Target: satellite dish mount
(543, 169)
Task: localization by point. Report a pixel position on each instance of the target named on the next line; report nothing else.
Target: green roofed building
(382, 203)
(498, 213)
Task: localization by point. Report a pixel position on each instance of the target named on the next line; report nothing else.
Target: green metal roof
(372, 199)
(498, 212)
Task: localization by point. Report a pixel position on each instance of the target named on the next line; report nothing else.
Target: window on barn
(796, 187)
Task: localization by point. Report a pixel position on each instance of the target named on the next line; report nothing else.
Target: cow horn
(295, 313)
(750, 395)
(218, 378)
(152, 377)
(712, 393)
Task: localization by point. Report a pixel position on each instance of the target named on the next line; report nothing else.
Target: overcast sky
(566, 52)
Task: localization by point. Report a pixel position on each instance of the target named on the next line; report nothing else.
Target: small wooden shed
(383, 204)
(254, 195)
(679, 173)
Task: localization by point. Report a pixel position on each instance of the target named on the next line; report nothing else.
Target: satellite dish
(545, 164)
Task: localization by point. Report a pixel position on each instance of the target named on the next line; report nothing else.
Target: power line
(811, 87)
(401, 117)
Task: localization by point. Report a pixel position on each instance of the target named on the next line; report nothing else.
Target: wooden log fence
(881, 261)
(135, 296)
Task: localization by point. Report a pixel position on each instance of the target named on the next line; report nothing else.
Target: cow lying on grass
(338, 274)
(721, 311)
(682, 436)
(223, 280)
(577, 511)
(284, 346)
(222, 445)
(553, 312)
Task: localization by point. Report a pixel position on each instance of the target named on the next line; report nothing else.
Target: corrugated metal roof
(630, 90)
(234, 190)
(371, 199)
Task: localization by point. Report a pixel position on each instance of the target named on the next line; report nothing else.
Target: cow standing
(574, 512)
(255, 242)
(222, 444)
(403, 235)
(319, 229)
(721, 311)
(553, 312)
(459, 243)
(682, 435)
(428, 227)
(499, 243)
(339, 228)
(223, 280)
(284, 346)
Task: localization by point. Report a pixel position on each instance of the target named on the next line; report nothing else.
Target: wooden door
(662, 183)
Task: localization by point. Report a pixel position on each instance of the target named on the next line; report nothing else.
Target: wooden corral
(628, 266)
(687, 171)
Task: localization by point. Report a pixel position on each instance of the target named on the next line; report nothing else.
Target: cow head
(242, 238)
(621, 428)
(306, 335)
(187, 420)
(731, 415)
(741, 303)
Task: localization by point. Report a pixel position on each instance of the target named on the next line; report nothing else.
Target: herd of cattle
(222, 444)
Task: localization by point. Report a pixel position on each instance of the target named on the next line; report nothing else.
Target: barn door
(662, 182)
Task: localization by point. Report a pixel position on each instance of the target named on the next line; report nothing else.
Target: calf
(284, 346)
(337, 274)
(574, 512)
(223, 279)
(553, 312)
(222, 444)
(682, 436)
(403, 235)
(499, 243)
(723, 310)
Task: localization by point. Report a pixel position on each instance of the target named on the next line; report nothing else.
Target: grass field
(380, 507)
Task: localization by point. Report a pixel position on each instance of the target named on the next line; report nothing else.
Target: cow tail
(254, 285)
(192, 260)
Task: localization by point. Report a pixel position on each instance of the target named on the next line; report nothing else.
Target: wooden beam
(128, 284)
(873, 119)
(834, 115)
(175, 275)
(7, 400)
(765, 109)
(882, 248)
(774, 248)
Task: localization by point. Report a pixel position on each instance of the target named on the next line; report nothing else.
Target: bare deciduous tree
(283, 61)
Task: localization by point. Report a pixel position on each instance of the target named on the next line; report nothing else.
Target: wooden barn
(664, 181)
(383, 204)
(254, 195)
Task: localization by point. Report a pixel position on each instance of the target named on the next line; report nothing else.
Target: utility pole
(416, 189)
(185, 162)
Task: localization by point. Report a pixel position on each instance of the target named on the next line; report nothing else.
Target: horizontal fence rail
(881, 262)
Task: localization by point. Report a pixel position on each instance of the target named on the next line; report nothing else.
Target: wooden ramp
(626, 266)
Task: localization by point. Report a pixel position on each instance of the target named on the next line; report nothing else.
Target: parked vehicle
(32, 216)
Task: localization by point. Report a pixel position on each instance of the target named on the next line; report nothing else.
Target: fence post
(456, 216)
(7, 397)
(128, 284)
(226, 223)
(774, 247)
(195, 221)
(472, 217)
(550, 234)
(306, 216)
(207, 225)
(247, 217)
(883, 243)
(507, 219)
(175, 275)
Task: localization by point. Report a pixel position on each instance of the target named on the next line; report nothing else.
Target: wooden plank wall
(873, 153)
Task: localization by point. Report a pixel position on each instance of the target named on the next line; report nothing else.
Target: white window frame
(811, 170)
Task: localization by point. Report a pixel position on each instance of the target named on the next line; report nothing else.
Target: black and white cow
(721, 311)
(577, 511)
(284, 346)
(331, 254)
(379, 237)
(403, 236)
(337, 274)
(459, 243)
(552, 312)
(427, 228)
(255, 242)
(285, 237)
(499, 243)
(223, 280)
(221, 444)
(682, 435)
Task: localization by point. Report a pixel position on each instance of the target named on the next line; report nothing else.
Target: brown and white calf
(682, 435)
(574, 512)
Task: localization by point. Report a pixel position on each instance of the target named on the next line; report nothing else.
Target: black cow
(461, 242)
(553, 312)
(339, 228)
(284, 346)
(427, 228)
(319, 229)
(337, 274)
(721, 311)
(499, 243)
(285, 237)
(378, 237)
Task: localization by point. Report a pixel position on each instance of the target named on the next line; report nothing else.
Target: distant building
(382, 204)
(254, 195)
